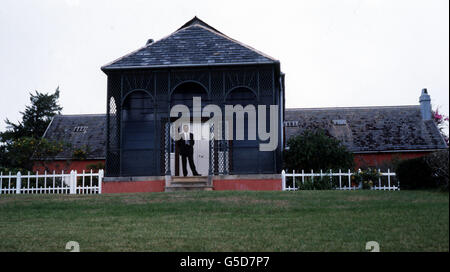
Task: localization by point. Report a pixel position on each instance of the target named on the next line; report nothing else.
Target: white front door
(201, 151)
(201, 147)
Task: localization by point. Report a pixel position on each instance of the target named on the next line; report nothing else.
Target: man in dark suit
(186, 146)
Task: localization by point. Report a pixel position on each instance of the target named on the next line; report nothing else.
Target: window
(340, 122)
(80, 129)
(291, 123)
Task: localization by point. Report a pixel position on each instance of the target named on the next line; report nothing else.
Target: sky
(335, 53)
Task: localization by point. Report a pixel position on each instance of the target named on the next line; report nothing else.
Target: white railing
(340, 180)
(53, 183)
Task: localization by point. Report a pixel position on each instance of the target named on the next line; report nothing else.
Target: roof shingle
(79, 131)
(194, 44)
(369, 129)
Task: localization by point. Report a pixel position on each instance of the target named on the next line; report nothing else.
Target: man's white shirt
(186, 137)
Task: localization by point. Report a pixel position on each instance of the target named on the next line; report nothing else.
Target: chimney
(149, 41)
(425, 105)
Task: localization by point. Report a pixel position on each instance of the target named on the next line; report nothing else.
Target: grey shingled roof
(62, 128)
(194, 44)
(370, 129)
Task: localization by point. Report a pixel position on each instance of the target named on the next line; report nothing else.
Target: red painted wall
(219, 185)
(67, 166)
(133, 186)
(380, 160)
(247, 185)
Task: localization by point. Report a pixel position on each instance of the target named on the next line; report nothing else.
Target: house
(202, 71)
(84, 137)
(376, 136)
(195, 62)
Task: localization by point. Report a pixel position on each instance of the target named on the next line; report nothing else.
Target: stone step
(173, 188)
(190, 179)
(189, 183)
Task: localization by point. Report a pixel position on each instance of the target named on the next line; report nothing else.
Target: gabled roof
(79, 131)
(194, 44)
(370, 129)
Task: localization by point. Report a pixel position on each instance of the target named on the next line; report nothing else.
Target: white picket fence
(344, 181)
(53, 183)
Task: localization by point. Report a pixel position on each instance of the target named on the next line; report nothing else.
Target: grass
(227, 221)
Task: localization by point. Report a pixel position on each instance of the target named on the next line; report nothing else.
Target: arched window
(184, 92)
(138, 134)
(113, 128)
(242, 150)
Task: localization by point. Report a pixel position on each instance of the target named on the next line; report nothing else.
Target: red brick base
(247, 185)
(133, 186)
(66, 166)
(384, 160)
(109, 187)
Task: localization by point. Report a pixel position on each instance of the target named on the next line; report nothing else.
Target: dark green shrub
(415, 174)
(319, 183)
(307, 185)
(438, 163)
(315, 150)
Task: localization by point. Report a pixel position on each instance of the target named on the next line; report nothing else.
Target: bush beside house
(314, 150)
(428, 172)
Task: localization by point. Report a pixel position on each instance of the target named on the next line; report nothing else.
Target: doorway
(201, 133)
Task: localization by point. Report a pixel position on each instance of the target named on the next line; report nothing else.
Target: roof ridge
(80, 114)
(142, 47)
(186, 26)
(238, 42)
(198, 21)
(357, 107)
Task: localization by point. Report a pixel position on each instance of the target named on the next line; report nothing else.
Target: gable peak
(197, 21)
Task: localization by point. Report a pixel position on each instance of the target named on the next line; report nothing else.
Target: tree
(314, 150)
(442, 123)
(22, 152)
(35, 118)
(22, 142)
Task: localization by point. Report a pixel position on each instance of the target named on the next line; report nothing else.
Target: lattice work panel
(162, 86)
(221, 157)
(211, 151)
(113, 164)
(138, 81)
(265, 82)
(200, 76)
(217, 88)
(113, 130)
(227, 158)
(215, 155)
(113, 121)
(166, 149)
(230, 157)
(244, 77)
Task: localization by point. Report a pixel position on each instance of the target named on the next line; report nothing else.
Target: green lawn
(227, 221)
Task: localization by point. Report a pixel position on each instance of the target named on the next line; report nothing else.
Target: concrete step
(190, 179)
(174, 188)
(189, 183)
